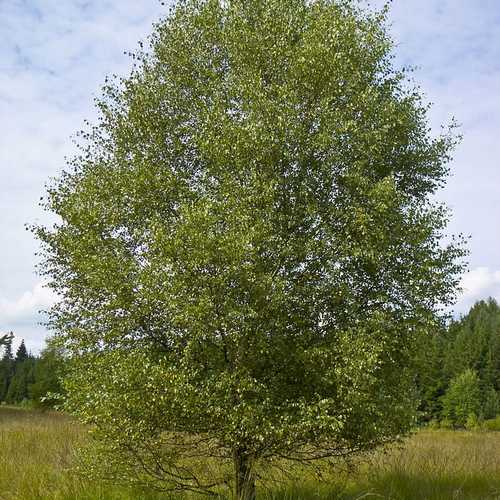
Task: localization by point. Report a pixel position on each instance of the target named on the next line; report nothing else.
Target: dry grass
(431, 465)
(439, 465)
(37, 449)
(36, 452)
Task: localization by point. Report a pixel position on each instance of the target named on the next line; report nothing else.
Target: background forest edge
(458, 380)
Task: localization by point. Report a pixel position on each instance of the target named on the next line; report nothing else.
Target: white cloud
(478, 284)
(24, 316)
(54, 56)
(27, 306)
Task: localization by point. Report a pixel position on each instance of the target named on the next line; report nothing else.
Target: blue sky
(55, 54)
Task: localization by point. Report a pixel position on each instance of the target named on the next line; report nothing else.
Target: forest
(458, 377)
(250, 277)
(30, 379)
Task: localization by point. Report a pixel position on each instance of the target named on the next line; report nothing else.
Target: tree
(475, 343)
(6, 364)
(431, 380)
(46, 388)
(22, 353)
(6, 340)
(463, 398)
(491, 406)
(21, 374)
(22, 378)
(248, 249)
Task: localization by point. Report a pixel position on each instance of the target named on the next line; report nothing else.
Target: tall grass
(431, 465)
(36, 453)
(37, 450)
(436, 465)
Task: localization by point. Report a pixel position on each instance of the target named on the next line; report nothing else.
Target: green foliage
(433, 424)
(46, 390)
(446, 424)
(22, 375)
(491, 406)
(22, 378)
(431, 381)
(6, 365)
(38, 451)
(473, 343)
(472, 423)
(463, 398)
(492, 424)
(248, 250)
(31, 379)
(21, 353)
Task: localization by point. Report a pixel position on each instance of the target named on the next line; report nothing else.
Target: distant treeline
(458, 377)
(25, 377)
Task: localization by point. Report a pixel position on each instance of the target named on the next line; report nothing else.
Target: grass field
(37, 449)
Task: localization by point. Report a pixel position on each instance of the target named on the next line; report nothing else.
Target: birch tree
(248, 246)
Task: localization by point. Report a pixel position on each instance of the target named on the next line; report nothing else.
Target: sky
(54, 56)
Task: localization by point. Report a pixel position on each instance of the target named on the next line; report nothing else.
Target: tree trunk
(244, 477)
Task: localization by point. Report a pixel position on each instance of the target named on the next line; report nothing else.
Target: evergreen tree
(6, 365)
(22, 353)
(470, 343)
(48, 372)
(431, 380)
(5, 339)
(491, 404)
(7, 345)
(29, 377)
(475, 341)
(22, 378)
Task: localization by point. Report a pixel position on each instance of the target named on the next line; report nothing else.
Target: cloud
(478, 284)
(55, 55)
(455, 47)
(23, 314)
(27, 306)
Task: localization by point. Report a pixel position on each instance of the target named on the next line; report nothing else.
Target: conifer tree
(21, 353)
(491, 403)
(7, 347)
(22, 378)
(6, 365)
(6, 339)
(46, 389)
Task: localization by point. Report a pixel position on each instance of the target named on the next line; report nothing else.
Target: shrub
(446, 423)
(462, 398)
(491, 405)
(493, 424)
(473, 422)
(433, 424)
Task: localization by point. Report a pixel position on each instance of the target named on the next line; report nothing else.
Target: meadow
(37, 450)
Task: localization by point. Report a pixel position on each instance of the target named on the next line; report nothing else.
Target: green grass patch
(38, 448)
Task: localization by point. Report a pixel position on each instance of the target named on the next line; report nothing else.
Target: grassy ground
(36, 450)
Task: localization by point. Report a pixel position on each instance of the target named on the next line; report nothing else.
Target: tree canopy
(463, 398)
(464, 354)
(6, 341)
(248, 248)
(30, 379)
